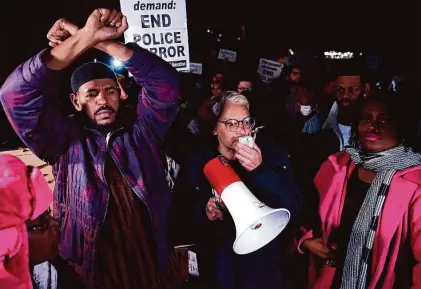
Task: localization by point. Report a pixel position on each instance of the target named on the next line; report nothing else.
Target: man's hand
(212, 210)
(60, 31)
(69, 43)
(105, 24)
(249, 158)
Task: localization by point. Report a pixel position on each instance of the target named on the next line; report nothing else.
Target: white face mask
(305, 110)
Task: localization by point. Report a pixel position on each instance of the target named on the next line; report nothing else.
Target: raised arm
(159, 98)
(27, 95)
(27, 98)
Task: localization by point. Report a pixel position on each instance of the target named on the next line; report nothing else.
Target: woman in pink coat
(369, 229)
(24, 196)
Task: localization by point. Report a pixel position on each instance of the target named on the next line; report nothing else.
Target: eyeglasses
(233, 124)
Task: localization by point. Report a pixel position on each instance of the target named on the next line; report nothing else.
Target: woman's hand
(212, 210)
(318, 247)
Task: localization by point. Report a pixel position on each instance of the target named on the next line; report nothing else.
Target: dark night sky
(272, 25)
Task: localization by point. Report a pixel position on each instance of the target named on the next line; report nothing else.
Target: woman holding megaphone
(262, 168)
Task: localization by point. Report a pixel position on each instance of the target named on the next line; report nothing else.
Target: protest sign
(229, 55)
(193, 266)
(159, 26)
(196, 68)
(269, 69)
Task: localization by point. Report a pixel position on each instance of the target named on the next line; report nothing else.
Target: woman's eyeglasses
(233, 124)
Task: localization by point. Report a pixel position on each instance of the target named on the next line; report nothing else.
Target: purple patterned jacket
(78, 153)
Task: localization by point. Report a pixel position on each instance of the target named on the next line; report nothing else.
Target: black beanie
(90, 71)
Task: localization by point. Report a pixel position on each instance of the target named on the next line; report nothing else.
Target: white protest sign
(229, 55)
(193, 266)
(196, 68)
(161, 27)
(270, 69)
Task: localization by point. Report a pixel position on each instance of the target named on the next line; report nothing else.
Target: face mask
(305, 110)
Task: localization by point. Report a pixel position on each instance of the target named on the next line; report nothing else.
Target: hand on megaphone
(212, 210)
(249, 158)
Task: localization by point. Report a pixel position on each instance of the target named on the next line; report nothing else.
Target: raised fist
(105, 24)
(61, 30)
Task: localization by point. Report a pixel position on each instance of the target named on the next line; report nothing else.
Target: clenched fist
(60, 31)
(105, 24)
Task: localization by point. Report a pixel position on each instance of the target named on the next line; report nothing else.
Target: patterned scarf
(44, 276)
(360, 245)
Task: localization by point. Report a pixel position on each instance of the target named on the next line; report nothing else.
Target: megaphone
(256, 224)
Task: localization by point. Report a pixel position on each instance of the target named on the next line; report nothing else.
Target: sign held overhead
(159, 26)
(196, 68)
(228, 55)
(269, 69)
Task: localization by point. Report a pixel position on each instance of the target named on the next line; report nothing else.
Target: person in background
(48, 269)
(217, 87)
(111, 195)
(204, 114)
(265, 170)
(349, 90)
(369, 229)
(218, 78)
(303, 111)
(295, 74)
(44, 238)
(313, 150)
(24, 197)
(244, 85)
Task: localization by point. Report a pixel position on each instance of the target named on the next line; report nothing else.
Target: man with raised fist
(111, 195)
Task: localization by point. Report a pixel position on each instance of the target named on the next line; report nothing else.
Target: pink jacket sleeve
(415, 231)
(306, 234)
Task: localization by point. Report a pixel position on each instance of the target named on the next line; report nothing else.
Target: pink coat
(399, 220)
(22, 197)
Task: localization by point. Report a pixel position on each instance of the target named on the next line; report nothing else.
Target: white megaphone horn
(256, 224)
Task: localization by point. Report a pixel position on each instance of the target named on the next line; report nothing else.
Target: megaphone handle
(221, 208)
(217, 204)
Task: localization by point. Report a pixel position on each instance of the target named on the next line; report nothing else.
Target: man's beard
(103, 128)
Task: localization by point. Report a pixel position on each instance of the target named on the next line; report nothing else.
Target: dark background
(389, 30)
(371, 26)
